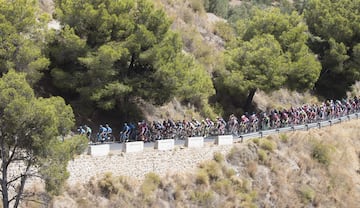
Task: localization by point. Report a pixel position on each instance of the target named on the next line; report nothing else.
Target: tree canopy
(336, 36)
(271, 52)
(28, 128)
(21, 38)
(109, 51)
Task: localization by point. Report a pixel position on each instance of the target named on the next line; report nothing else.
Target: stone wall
(139, 164)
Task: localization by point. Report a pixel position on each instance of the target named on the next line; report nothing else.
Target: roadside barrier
(194, 142)
(224, 140)
(166, 144)
(133, 146)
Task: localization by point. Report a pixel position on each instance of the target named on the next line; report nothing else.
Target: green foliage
(121, 50)
(218, 7)
(29, 132)
(269, 52)
(224, 30)
(53, 168)
(21, 38)
(321, 152)
(335, 29)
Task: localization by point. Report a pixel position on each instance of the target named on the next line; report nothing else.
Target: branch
(12, 154)
(14, 179)
(22, 185)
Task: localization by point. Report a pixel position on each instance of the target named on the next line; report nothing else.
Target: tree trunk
(22, 185)
(4, 180)
(249, 99)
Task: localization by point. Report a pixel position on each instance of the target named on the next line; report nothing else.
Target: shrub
(218, 157)
(262, 155)
(266, 144)
(213, 169)
(307, 194)
(224, 30)
(321, 152)
(229, 172)
(202, 198)
(107, 185)
(151, 182)
(197, 6)
(284, 138)
(256, 141)
(223, 186)
(202, 178)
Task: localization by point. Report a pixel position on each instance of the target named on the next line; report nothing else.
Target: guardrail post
(241, 138)
(330, 122)
(293, 128)
(357, 116)
(348, 117)
(261, 134)
(319, 125)
(307, 127)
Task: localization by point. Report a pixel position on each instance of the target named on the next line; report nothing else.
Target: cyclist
(88, 131)
(124, 134)
(108, 131)
(81, 130)
(102, 133)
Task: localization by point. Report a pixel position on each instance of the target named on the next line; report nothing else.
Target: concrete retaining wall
(194, 142)
(166, 144)
(99, 150)
(224, 140)
(133, 146)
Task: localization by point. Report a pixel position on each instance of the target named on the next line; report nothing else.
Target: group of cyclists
(246, 123)
(103, 135)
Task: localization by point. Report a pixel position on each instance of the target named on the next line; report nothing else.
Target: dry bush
(307, 194)
(242, 155)
(202, 198)
(223, 187)
(282, 98)
(197, 6)
(149, 187)
(267, 144)
(218, 157)
(213, 169)
(202, 177)
(262, 155)
(252, 168)
(321, 152)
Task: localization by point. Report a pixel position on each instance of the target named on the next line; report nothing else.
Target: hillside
(318, 168)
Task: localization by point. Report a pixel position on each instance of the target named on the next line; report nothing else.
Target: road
(259, 134)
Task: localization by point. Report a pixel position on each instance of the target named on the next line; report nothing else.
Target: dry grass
(282, 98)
